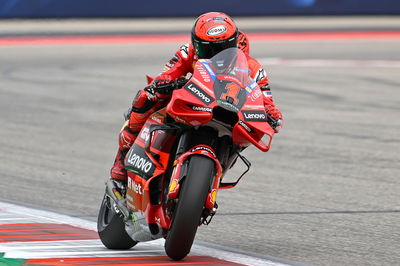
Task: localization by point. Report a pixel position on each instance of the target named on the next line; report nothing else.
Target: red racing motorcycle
(177, 163)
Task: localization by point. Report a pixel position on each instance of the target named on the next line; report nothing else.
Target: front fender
(180, 171)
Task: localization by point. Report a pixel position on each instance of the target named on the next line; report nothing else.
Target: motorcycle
(177, 163)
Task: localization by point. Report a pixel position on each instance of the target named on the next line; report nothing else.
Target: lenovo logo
(139, 162)
(254, 115)
(199, 93)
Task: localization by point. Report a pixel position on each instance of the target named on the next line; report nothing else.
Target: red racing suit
(147, 102)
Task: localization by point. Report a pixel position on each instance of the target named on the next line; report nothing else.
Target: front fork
(181, 167)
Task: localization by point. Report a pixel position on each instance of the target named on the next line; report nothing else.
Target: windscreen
(231, 75)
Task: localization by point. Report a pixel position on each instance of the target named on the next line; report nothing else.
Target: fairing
(224, 81)
(220, 92)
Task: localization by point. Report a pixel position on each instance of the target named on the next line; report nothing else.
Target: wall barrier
(172, 8)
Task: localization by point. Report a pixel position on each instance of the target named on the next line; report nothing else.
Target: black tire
(111, 228)
(189, 208)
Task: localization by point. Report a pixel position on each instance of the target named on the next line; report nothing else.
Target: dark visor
(206, 50)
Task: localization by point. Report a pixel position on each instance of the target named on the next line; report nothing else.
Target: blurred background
(127, 8)
(328, 191)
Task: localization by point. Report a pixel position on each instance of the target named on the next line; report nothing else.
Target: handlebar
(169, 87)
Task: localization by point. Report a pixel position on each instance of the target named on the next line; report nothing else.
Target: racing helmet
(213, 32)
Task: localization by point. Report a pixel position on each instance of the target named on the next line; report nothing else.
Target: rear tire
(111, 228)
(187, 214)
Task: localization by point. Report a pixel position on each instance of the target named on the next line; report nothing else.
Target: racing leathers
(147, 100)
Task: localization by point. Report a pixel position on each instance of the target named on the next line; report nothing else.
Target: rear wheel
(192, 197)
(111, 228)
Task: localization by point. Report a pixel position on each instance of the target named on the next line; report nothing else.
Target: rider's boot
(144, 104)
(126, 139)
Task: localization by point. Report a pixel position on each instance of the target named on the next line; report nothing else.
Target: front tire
(193, 194)
(111, 228)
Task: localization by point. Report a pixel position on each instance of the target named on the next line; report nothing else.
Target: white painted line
(42, 247)
(15, 218)
(273, 61)
(102, 253)
(21, 250)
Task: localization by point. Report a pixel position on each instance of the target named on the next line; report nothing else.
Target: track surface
(36, 237)
(326, 193)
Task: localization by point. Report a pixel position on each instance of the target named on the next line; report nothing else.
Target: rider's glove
(163, 85)
(275, 124)
(274, 114)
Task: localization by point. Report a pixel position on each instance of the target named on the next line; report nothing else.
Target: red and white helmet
(213, 32)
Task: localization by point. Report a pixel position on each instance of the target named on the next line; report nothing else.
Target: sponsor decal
(180, 120)
(245, 70)
(199, 93)
(129, 197)
(231, 78)
(139, 162)
(219, 19)
(155, 118)
(214, 195)
(253, 107)
(204, 87)
(261, 74)
(209, 70)
(184, 50)
(228, 106)
(202, 108)
(243, 124)
(217, 30)
(175, 58)
(232, 93)
(204, 148)
(253, 85)
(203, 73)
(255, 95)
(145, 133)
(127, 144)
(267, 93)
(135, 187)
(254, 115)
(173, 185)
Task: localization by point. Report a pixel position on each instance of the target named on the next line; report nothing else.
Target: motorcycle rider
(211, 33)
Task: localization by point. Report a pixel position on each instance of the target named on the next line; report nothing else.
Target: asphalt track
(326, 194)
(31, 236)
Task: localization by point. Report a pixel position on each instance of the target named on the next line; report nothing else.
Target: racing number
(232, 93)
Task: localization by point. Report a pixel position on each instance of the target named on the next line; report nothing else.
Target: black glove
(276, 124)
(163, 86)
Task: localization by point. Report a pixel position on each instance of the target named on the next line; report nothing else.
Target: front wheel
(193, 194)
(111, 227)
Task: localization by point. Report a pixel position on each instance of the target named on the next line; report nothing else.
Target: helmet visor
(207, 49)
